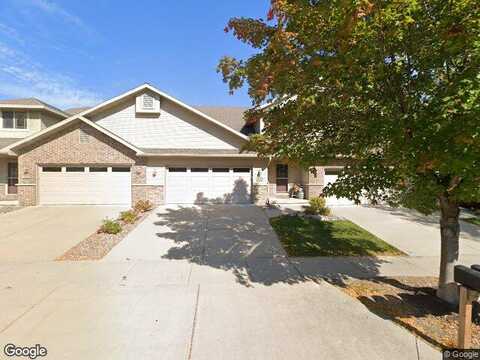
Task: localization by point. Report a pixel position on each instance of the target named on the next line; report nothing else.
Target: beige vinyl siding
(175, 128)
(48, 120)
(36, 121)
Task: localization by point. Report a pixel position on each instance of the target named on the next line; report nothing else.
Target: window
(120, 169)
(14, 120)
(98, 169)
(52, 169)
(75, 169)
(177, 169)
(199, 170)
(241, 170)
(20, 120)
(7, 119)
(221, 170)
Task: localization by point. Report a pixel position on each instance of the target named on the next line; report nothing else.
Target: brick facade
(152, 193)
(313, 181)
(80, 144)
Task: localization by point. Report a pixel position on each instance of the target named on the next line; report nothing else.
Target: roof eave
(34, 107)
(199, 155)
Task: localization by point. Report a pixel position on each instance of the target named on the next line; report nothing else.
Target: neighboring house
(19, 119)
(141, 145)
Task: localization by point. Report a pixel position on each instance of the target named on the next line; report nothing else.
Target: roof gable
(148, 87)
(10, 149)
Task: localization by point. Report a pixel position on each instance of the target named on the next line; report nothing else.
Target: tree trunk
(450, 232)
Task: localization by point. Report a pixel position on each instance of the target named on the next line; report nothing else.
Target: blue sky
(76, 53)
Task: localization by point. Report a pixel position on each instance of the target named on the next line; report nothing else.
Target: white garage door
(208, 185)
(330, 178)
(78, 185)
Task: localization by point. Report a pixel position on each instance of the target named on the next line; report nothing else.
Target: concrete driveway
(42, 233)
(193, 283)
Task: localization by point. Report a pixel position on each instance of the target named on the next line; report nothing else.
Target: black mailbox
(469, 277)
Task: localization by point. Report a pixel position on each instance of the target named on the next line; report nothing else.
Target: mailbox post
(469, 280)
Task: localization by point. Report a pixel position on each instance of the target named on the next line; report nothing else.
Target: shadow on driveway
(241, 240)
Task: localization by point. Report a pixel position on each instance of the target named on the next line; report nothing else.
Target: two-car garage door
(81, 185)
(208, 185)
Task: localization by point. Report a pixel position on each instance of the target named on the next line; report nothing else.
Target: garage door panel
(84, 188)
(219, 185)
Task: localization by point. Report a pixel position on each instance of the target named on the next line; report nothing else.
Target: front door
(282, 178)
(12, 178)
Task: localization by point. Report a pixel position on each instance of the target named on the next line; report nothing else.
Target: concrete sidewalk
(179, 310)
(409, 231)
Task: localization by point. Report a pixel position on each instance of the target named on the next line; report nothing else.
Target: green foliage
(129, 216)
(318, 206)
(110, 227)
(301, 236)
(143, 206)
(393, 87)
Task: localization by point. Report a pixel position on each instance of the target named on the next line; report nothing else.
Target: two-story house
(19, 119)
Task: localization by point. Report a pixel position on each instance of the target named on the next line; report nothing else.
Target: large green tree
(391, 87)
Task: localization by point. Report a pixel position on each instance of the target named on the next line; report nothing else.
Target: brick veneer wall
(313, 181)
(68, 147)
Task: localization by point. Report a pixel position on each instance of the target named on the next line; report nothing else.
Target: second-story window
(14, 120)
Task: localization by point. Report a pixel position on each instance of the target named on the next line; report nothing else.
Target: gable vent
(148, 103)
(84, 137)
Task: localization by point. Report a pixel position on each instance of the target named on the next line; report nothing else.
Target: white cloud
(52, 8)
(21, 77)
(11, 33)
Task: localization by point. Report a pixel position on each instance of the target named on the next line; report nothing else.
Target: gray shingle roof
(29, 102)
(7, 141)
(77, 110)
(232, 116)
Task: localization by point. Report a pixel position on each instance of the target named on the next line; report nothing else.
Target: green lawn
(475, 221)
(302, 236)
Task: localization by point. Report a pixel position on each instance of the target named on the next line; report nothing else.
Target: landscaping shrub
(129, 216)
(110, 227)
(143, 206)
(318, 206)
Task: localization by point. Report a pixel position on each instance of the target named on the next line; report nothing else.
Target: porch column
(260, 185)
(313, 181)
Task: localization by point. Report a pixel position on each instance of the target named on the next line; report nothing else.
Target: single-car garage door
(208, 185)
(330, 177)
(80, 185)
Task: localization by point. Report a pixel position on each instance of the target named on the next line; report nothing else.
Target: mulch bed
(411, 302)
(97, 245)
